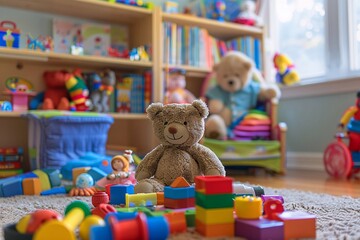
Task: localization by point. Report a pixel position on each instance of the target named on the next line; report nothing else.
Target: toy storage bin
(15, 35)
(57, 137)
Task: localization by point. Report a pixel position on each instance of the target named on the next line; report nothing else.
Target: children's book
(123, 95)
(65, 34)
(96, 39)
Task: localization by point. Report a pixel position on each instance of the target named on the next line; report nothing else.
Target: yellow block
(140, 199)
(214, 216)
(248, 207)
(44, 180)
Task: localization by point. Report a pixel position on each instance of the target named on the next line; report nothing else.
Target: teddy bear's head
(234, 71)
(178, 124)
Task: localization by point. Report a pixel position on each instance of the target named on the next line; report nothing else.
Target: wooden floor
(314, 181)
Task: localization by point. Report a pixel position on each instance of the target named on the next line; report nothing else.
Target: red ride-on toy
(339, 161)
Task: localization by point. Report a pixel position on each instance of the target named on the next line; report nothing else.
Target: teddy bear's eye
(185, 123)
(165, 123)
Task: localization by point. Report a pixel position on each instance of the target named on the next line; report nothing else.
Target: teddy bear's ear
(154, 109)
(247, 65)
(201, 108)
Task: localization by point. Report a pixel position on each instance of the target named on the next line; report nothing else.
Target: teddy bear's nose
(231, 82)
(172, 130)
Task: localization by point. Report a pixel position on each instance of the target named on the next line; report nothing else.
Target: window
(322, 37)
(301, 34)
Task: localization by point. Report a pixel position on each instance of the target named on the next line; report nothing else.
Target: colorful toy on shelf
(341, 160)
(19, 90)
(5, 106)
(247, 15)
(9, 34)
(286, 73)
(179, 127)
(11, 161)
(102, 88)
(78, 91)
(171, 7)
(175, 87)
(55, 95)
(139, 54)
(40, 43)
(113, 52)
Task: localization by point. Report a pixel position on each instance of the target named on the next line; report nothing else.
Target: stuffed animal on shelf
(175, 88)
(234, 94)
(179, 127)
(286, 73)
(102, 87)
(56, 94)
(78, 91)
(248, 15)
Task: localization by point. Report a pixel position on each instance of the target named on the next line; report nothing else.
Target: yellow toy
(248, 207)
(286, 73)
(87, 224)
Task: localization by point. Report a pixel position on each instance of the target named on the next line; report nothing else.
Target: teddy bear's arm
(148, 165)
(208, 162)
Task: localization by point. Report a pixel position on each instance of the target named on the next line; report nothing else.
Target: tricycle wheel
(337, 160)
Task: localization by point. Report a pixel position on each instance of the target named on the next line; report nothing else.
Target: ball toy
(84, 180)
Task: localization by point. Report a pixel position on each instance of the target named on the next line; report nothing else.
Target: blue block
(101, 232)
(53, 191)
(158, 228)
(179, 193)
(96, 173)
(12, 187)
(54, 176)
(117, 193)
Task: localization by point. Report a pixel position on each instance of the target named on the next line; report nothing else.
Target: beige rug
(337, 217)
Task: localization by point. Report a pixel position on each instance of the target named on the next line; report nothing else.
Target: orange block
(298, 224)
(77, 171)
(177, 222)
(180, 182)
(215, 230)
(31, 186)
(160, 198)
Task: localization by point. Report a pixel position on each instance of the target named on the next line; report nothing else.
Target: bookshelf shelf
(11, 114)
(131, 116)
(190, 70)
(89, 61)
(88, 9)
(222, 30)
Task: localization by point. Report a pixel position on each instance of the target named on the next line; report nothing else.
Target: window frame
(340, 76)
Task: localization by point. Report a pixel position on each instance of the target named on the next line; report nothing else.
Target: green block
(214, 200)
(190, 217)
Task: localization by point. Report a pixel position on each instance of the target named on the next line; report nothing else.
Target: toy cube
(190, 217)
(179, 193)
(261, 229)
(118, 192)
(31, 186)
(213, 184)
(160, 198)
(215, 230)
(214, 200)
(140, 199)
(248, 207)
(11, 187)
(214, 216)
(177, 222)
(298, 224)
(179, 203)
(54, 176)
(96, 173)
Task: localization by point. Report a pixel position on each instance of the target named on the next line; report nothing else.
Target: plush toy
(175, 89)
(102, 87)
(56, 94)
(248, 15)
(78, 91)
(286, 73)
(179, 127)
(234, 94)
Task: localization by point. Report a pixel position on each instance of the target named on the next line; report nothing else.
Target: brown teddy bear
(179, 127)
(235, 93)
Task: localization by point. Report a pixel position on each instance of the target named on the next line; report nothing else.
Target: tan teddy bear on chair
(235, 93)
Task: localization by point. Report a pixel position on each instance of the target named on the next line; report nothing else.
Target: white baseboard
(305, 161)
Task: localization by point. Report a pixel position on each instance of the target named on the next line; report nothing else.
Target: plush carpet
(337, 217)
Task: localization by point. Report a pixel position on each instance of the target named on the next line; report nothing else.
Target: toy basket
(57, 137)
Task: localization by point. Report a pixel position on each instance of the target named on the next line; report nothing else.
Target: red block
(179, 203)
(177, 222)
(213, 184)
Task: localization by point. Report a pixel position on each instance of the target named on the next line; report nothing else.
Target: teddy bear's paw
(48, 104)
(63, 104)
(148, 186)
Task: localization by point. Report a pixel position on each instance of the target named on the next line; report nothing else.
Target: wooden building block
(44, 179)
(179, 203)
(31, 186)
(214, 200)
(298, 224)
(215, 230)
(214, 216)
(179, 193)
(177, 222)
(214, 184)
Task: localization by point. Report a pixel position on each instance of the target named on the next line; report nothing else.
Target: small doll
(175, 90)
(121, 173)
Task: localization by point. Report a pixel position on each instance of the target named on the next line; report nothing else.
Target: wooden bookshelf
(129, 116)
(63, 58)
(221, 30)
(11, 114)
(88, 9)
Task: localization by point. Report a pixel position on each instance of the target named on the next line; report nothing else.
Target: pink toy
(19, 90)
(175, 89)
